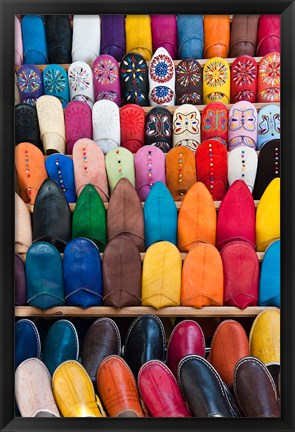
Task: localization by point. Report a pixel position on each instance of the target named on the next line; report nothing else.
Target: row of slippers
(167, 380)
(206, 278)
(130, 128)
(160, 84)
(184, 36)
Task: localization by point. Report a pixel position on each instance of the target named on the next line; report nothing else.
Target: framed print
(147, 216)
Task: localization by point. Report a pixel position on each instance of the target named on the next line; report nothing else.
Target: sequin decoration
(29, 81)
(244, 73)
(161, 95)
(215, 74)
(107, 94)
(133, 70)
(54, 81)
(269, 70)
(161, 68)
(188, 73)
(105, 71)
(79, 79)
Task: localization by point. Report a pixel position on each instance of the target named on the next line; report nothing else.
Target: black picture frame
(10, 8)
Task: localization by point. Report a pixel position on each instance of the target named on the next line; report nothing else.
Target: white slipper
(23, 227)
(162, 79)
(187, 126)
(81, 82)
(242, 165)
(51, 124)
(106, 124)
(86, 38)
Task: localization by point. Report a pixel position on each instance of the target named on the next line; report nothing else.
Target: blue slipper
(61, 169)
(270, 287)
(34, 40)
(27, 341)
(55, 80)
(190, 34)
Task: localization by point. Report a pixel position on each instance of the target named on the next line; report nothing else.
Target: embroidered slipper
(162, 79)
(59, 38)
(132, 121)
(27, 341)
(106, 124)
(30, 83)
(217, 36)
(186, 127)
(134, 80)
(61, 169)
(158, 129)
(243, 85)
(211, 166)
(23, 228)
(119, 164)
(139, 35)
(164, 33)
(18, 49)
(270, 284)
(242, 125)
(189, 83)
(81, 82)
(269, 125)
(20, 281)
(55, 81)
(216, 81)
(16, 91)
(149, 168)
(242, 165)
(113, 36)
(269, 34)
(33, 391)
(52, 124)
(34, 40)
(215, 122)
(89, 168)
(106, 79)
(78, 123)
(190, 33)
(268, 167)
(26, 125)
(269, 78)
(180, 171)
(86, 38)
(243, 35)
(30, 168)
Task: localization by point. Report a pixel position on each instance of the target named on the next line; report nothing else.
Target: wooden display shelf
(134, 311)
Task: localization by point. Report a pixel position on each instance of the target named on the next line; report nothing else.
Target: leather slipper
(268, 167)
(61, 169)
(33, 391)
(30, 83)
(215, 122)
(119, 164)
(188, 83)
(18, 49)
(243, 85)
(217, 36)
(160, 392)
(132, 122)
(26, 125)
(78, 123)
(270, 284)
(190, 35)
(30, 168)
(125, 214)
(52, 124)
(59, 38)
(216, 81)
(139, 35)
(106, 125)
(269, 78)
(113, 36)
(269, 125)
(158, 129)
(23, 227)
(106, 79)
(242, 125)
(86, 38)
(81, 82)
(242, 165)
(82, 270)
(55, 81)
(187, 126)
(27, 341)
(134, 80)
(164, 33)
(89, 167)
(180, 171)
(34, 40)
(61, 344)
(45, 288)
(52, 215)
(162, 79)
(20, 287)
(243, 36)
(268, 35)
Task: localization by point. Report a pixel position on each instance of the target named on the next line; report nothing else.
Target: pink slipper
(78, 123)
(106, 79)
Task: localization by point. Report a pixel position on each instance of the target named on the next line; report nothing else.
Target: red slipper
(132, 120)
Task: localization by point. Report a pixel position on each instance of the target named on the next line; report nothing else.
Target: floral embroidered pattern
(190, 97)
(54, 81)
(270, 94)
(29, 81)
(242, 119)
(245, 95)
(105, 71)
(79, 79)
(30, 101)
(188, 73)
(133, 70)
(158, 125)
(269, 123)
(107, 94)
(244, 73)
(186, 122)
(215, 120)
(161, 68)
(215, 96)
(161, 95)
(269, 70)
(241, 141)
(216, 74)
(135, 95)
